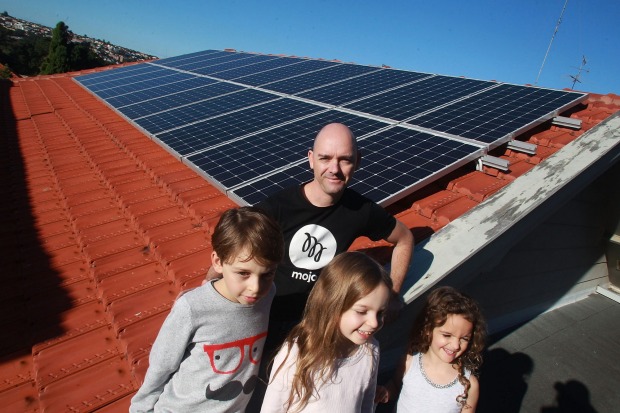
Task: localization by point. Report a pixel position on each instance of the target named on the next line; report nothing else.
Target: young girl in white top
(329, 361)
(444, 353)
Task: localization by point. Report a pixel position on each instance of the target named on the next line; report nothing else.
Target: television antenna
(576, 78)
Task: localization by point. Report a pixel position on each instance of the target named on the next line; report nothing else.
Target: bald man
(322, 218)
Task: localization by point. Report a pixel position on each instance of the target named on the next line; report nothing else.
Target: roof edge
(524, 203)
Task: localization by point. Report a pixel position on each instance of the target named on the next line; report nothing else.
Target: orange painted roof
(102, 228)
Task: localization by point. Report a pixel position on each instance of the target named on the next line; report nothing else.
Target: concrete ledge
(480, 238)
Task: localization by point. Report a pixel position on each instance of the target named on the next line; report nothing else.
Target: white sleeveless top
(421, 395)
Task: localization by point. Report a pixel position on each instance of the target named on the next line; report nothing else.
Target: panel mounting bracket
(494, 162)
(567, 122)
(525, 147)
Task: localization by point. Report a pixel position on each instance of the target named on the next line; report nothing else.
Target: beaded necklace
(437, 386)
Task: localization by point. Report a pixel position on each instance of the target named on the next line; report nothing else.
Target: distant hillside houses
(110, 53)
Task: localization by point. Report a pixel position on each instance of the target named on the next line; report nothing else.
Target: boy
(207, 353)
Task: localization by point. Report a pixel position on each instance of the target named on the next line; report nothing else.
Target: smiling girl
(329, 361)
(445, 351)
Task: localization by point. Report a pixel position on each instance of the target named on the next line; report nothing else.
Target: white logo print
(312, 247)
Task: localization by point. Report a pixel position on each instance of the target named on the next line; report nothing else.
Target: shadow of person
(503, 381)
(572, 397)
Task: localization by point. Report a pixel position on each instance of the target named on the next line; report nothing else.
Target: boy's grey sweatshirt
(206, 355)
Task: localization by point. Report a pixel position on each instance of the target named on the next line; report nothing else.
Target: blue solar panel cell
(493, 116)
(176, 60)
(318, 78)
(229, 64)
(304, 66)
(139, 73)
(160, 91)
(220, 63)
(214, 131)
(384, 175)
(410, 100)
(253, 69)
(98, 80)
(178, 100)
(274, 148)
(362, 86)
(185, 115)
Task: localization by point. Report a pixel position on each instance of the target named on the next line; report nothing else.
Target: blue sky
(481, 39)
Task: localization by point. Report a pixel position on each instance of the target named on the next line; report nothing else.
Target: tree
(58, 58)
(83, 57)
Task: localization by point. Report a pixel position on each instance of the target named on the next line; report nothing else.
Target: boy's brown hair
(251, 229)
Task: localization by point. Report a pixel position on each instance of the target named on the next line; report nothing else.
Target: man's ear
(358, 160)
(310, 159)
(216, 262)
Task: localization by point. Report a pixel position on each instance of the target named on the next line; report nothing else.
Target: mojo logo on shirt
(312, 247)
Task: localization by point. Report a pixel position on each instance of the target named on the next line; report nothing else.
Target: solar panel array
(246, 121)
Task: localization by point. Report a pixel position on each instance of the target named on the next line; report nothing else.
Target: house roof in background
(102, 229)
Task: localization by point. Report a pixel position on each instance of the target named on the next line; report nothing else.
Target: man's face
(333, 160)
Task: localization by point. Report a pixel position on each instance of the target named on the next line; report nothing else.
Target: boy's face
(244, 281)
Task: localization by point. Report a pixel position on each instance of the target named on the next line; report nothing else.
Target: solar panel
(415, 98)
(180, 100)
(496, 115)
(190, 57)
(125, 77)
(229, 64)
(264, 152)
(262, 66)
(269, 76)
(159, 91)
(183, 115)
(245, 121)
(211, 62)
(318, 78)
(99, 80)
(205, 134)
(361, 86)
(395, 162)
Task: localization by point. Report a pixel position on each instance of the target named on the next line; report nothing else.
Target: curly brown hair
(441, 303)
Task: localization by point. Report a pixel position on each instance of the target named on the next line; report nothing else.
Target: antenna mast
(557, 26)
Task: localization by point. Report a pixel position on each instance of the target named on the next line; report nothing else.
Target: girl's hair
(251, 229)
(349, 277)
(441, 303)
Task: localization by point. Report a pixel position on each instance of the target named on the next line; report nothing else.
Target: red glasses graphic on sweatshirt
(227, 358)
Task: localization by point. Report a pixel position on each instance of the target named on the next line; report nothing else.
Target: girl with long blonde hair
(329, 361)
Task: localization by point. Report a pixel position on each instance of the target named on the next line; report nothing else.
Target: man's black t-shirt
(313, 236)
